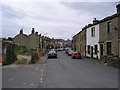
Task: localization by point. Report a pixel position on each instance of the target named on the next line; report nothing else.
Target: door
(92, 51)
(101, 49)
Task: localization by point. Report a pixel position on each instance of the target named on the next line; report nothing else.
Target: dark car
(76, 55)
(52, 54)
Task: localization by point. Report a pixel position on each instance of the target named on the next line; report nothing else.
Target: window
(96, 48)
(88, 49)
(93, 32)
(109, 27)
(109, 48)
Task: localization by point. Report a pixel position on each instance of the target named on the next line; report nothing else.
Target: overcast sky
(54, 19)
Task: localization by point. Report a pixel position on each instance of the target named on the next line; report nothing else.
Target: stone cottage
(32, 41)
(110, 34)
(102, 37)
(79, 42)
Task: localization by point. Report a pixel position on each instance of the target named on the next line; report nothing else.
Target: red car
(76, 55)
(70, 52)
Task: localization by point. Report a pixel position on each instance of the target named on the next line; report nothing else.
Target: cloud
(9, 12)
(57, 19)
(98, 9)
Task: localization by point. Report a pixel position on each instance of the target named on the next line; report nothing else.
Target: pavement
(63, 72)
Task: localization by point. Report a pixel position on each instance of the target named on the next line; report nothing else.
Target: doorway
(101, 49)
(91, 51)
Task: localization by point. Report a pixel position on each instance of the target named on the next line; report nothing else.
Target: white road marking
(31, 84)
(41, 78)
(24, 83)
(41, 81)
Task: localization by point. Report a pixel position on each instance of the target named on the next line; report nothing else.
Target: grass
(22, 50)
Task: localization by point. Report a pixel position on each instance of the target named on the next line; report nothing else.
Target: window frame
(109, 27)
(109, 48)
(93, 32)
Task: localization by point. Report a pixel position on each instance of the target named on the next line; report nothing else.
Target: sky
(58, 19)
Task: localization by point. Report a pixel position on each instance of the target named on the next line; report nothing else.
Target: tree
(10, 39)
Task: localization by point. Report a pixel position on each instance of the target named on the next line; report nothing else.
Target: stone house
(82, 43)
(102, 37)
(76, 42)
(21, 39)
(32, 41)
(79, 42)
(110, 34)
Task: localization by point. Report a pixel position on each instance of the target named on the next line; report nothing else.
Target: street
(63, 72)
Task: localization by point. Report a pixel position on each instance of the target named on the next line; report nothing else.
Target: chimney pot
(95, 21)
(118, 8)
(36, 33)
(33, 30)
(21, 31)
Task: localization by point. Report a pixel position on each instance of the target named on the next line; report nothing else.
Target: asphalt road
(63, 72)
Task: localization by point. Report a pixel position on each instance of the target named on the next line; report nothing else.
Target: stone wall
(21, 39)
(8, 51)
(34, 41)
(109, 37)
(31, 41)
(82, 43)
(79, 42)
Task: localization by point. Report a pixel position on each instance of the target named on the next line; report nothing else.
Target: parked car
(76, 55)
(70, 52)
(52, 54)
(67, 50)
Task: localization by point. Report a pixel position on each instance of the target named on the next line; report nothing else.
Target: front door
(101, 49)
(92, 51)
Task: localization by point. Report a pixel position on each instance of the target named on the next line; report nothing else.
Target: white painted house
(92, 39)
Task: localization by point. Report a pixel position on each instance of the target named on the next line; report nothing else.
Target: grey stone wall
(82, 43)
(79, 42)
(21, 39)
(112, 36)
(34, 41)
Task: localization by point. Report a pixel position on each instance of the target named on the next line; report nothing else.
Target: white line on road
(41, 81)
(24, 83)
(41, 78)
(31, 84)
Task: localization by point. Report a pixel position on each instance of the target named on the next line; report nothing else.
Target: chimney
(95, 21)
(21, 31)
(36, 33)
(40, 35)
(118, 8)
(33, 30)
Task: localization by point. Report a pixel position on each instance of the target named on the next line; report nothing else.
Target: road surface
(63, 72)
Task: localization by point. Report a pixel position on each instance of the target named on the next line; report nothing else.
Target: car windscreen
(52, 52)
(76, 53)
